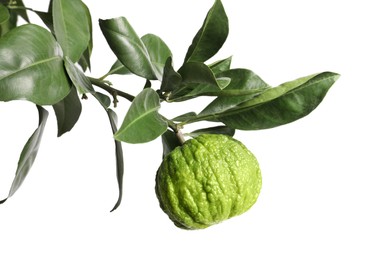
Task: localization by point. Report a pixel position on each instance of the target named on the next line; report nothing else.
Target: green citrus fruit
(208, 179)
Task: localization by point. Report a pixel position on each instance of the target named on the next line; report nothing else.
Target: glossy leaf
(28, 154)
(4, 14)
(221, 65)
(197, 79)
(170, 141)
(244, 85)
(83, 84)
(223, 130)
(171, 79)
(211, 36)
(85, 59)
(280, 105)
(118, 68)
(74, 37)
(118, 156)
(31, 66)
(142, 122)
(128, 47)
(67, 112)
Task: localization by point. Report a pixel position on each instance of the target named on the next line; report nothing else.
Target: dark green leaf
(221, 65)
(197, 79)
(211, 36)
(67, 112)
(8, 24)
(28, 153)
(83, 84)
(185, 117)
(244, 86)
(128, 47)
(31, 66)
(170, 141)
(280, 105)
(171, 79)
(4, 14)
(74, 37)
(119, 158)
(223, 130)
(85, 59)
(158, 53)
(47, 19)
(142, 122)
(78, 78)
(20, 11)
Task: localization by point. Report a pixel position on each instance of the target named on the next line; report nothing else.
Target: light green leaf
(74, 37)
(211, 36)
(142, 122)
(128, 47)
(28, 154)
(67, 112)
(118, 68)
(31, 66)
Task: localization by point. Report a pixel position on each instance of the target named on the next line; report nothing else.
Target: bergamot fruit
(207, 180)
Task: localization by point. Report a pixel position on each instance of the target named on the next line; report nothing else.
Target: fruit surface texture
(207, 180)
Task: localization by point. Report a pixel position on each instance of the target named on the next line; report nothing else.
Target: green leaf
(280, 105)
(119, 158)
(244, 85)
(223, 130)
(67, 112)
(20, 11)
(221, 65)
(8, 24)
(142, 122)
(31, 66)
(170, 141)
(128, 47)
(171, 79)
(211, 36)
(74, 37)
(185, 117)
(4, 14)
(85, 59)
(83, 84)
(158, 53)
(28, 153)
(197, 80)
(118, 68)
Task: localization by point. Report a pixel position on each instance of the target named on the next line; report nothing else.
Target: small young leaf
(74, 37)
(280, 105)
(67, 112)
(224, 130)
(221, 65)
(211, 36)
(171, 79)
(142, 122)
(31, 66)
(118, 68)
(119, 158)
(170, 141)
(85, 59)
(244, 85)
(128, 47)
(28, 153)
(197, 79)
(158, 53)
(4, 14)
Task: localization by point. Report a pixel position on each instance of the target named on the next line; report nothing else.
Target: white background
(325, 177)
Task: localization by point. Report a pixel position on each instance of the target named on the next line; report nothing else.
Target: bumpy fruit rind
(207, 180)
